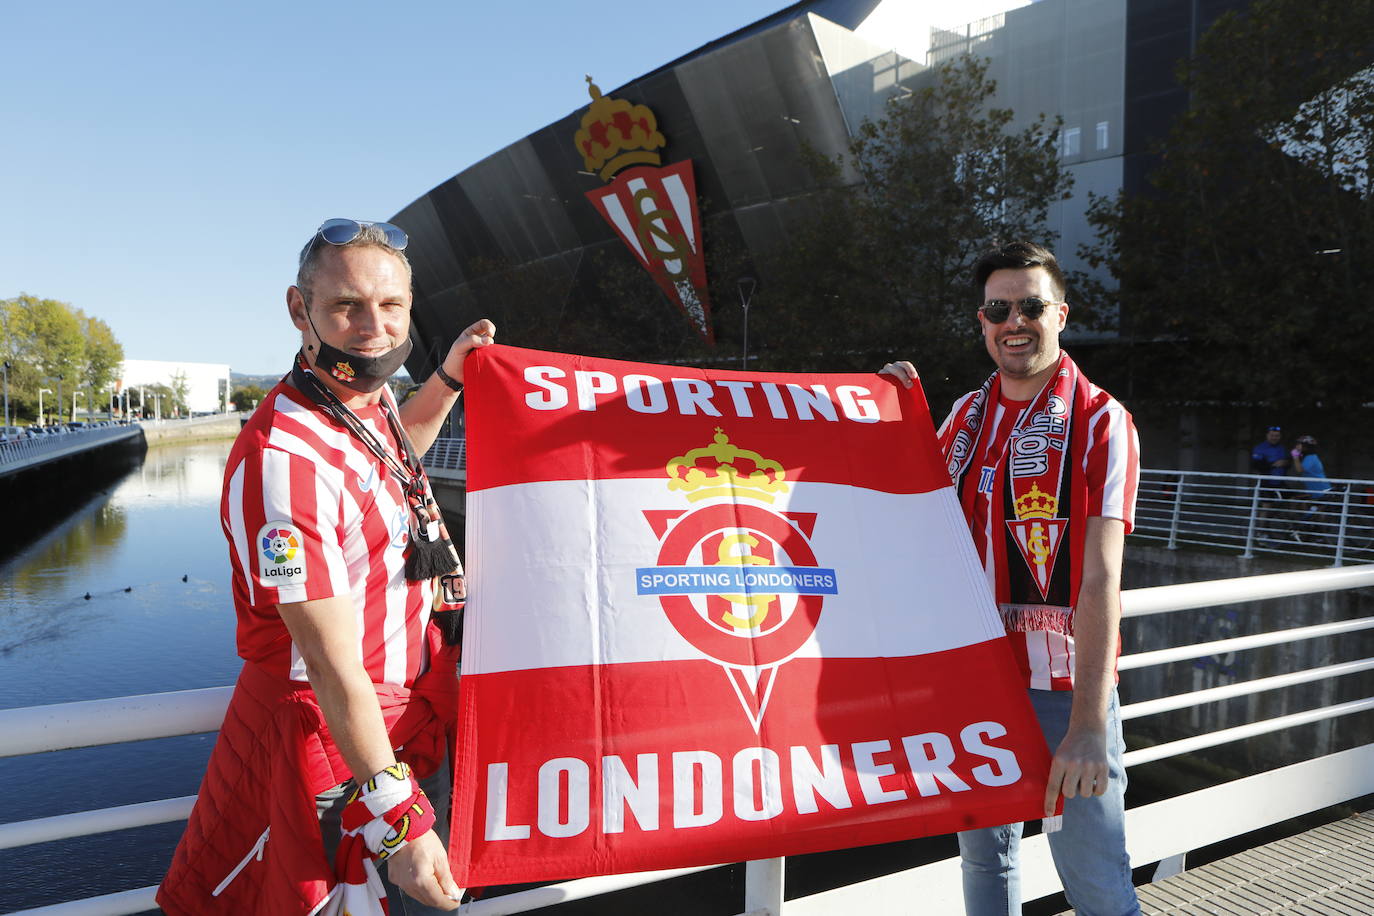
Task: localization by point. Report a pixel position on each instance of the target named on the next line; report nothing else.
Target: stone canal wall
(225, 426)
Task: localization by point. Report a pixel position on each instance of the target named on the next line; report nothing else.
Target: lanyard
(430, 553)
(408, 473)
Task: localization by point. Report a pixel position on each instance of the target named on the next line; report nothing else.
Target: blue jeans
(329, 805)
(1089, 851)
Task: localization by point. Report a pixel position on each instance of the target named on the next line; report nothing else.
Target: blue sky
(163, 162)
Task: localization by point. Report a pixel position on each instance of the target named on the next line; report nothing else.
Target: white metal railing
(26, 449)
(1154, 831)
(1256, 512)
(448, 454)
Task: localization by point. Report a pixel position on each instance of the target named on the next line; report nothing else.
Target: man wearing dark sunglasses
(1045, 465)
(329, 778)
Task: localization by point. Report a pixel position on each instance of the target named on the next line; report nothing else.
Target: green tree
(1242, 273)
(43, 340)
(104, 355)
(882, 267)
(56, 343)
(161, 400)
(21, 374)
(179, 389)
(246, 397)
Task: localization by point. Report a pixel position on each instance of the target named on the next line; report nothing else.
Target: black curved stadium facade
(515, 238)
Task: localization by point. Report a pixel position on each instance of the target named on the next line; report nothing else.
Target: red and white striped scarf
(1042, 511)
(382, 817)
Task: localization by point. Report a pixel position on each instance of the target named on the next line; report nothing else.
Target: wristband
(448, 379)
(389, 810)
(393, 831)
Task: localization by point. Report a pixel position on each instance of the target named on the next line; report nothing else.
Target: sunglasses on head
(343, 231)
(999, 310)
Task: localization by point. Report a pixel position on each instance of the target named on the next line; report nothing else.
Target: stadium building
(709, 149)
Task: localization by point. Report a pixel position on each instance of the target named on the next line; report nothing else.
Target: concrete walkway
(1328, 870)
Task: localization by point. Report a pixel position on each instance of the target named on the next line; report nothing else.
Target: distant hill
(242, 380)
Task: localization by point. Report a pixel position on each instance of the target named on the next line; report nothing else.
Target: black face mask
(363, 374)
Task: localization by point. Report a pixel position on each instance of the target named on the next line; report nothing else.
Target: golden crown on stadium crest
(1036, 504)
(616, 134)
(763, 479)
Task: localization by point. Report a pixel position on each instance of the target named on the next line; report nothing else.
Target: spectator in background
(1317, 489)
(1271, 458)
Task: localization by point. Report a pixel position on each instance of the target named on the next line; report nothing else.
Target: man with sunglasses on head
(1045, 465)
(327, 790)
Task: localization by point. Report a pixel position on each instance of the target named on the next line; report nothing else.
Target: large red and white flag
(719, 616)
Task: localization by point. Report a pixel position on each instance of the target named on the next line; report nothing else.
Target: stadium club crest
(1038, 534)
(736, 578)
(652, 207)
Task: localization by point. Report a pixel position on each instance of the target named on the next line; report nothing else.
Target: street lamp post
(7, 393)
(59, 398)
(41, 392)
(89, 409)
(746, 294)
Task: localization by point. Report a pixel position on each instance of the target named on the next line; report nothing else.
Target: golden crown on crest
(1036, 504)
(616, 133)
(762, 479)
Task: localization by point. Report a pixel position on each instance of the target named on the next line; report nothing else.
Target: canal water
(124, 594)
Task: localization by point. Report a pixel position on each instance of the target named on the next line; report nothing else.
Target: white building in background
(207, 384)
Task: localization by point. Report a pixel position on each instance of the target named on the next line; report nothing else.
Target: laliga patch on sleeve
(281, 555)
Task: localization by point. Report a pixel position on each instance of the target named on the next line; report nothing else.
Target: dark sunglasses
(1031, 308)
(343, 231)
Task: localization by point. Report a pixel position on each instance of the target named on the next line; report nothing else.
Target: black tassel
(427, 559)
(450, 624)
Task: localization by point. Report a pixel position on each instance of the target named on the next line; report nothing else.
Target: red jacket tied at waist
(252, 844)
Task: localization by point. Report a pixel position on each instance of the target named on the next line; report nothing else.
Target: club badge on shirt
(281, 556)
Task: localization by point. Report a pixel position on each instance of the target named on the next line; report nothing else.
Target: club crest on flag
(653, 209)
(1038, 534)
(737, 578)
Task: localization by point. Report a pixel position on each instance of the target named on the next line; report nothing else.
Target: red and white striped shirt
(310, 513)
(1111, 466)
